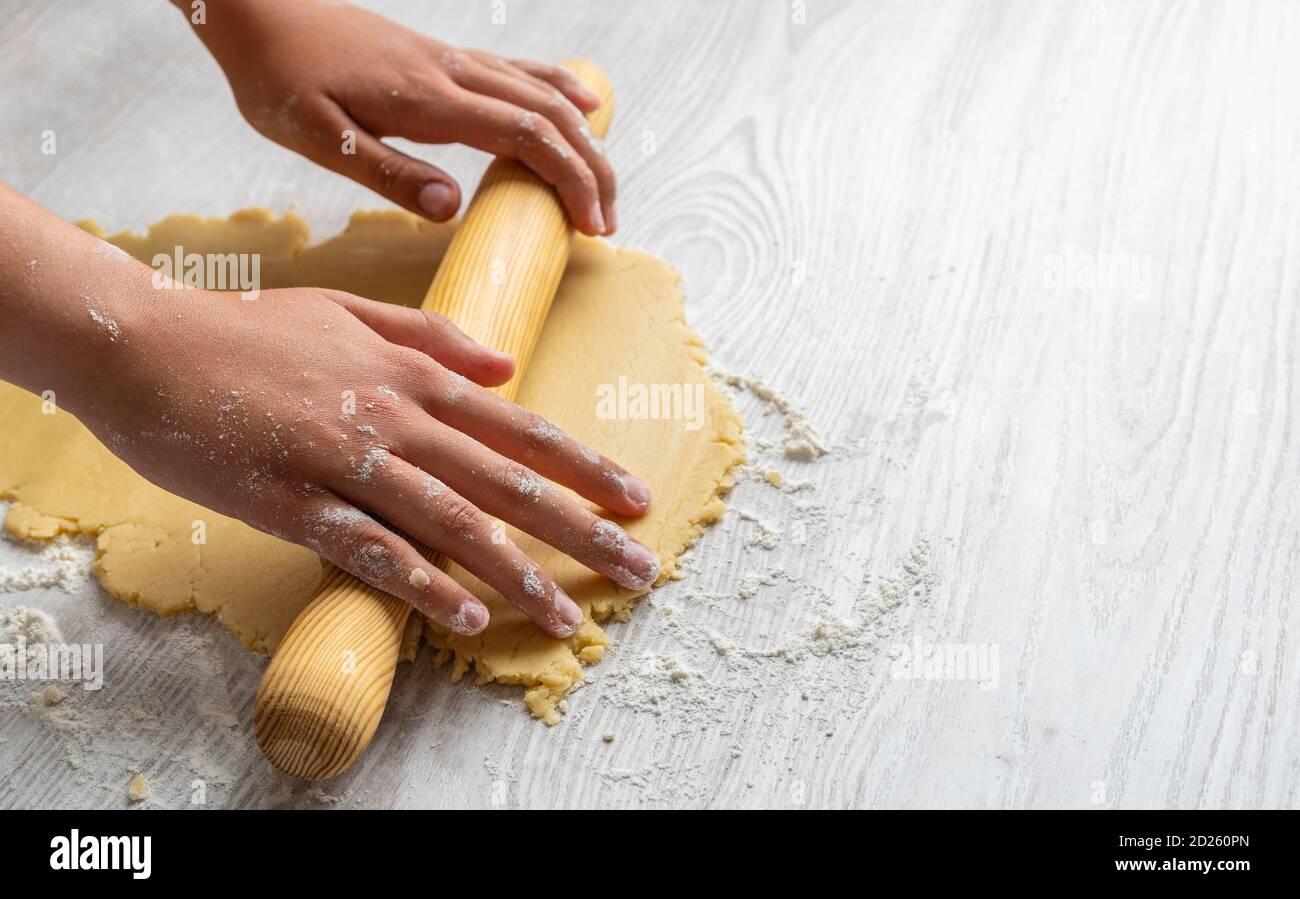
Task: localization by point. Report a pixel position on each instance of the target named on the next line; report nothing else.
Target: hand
(308, 73)
(325, 415)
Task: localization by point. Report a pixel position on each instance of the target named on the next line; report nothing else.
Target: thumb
(411, 183)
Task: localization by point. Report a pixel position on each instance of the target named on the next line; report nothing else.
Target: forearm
(235, 27)
(69, 302)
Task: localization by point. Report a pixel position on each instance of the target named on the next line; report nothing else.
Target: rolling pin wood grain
(324, 692)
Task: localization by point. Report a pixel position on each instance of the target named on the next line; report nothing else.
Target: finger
(411, 183)
(562, 79)
(496, 126)
(363, 547)
(496, 63)
(432, 334)
(555, 107)
(435, 514)
(529, 438)
(514, 493)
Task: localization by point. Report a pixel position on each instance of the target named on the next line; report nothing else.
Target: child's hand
(314, 415)
(325, 416)
(328, 80)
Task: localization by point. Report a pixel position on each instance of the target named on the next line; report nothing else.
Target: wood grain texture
(871, 211)
(323, 695)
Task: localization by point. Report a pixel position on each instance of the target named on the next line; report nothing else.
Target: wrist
(87, 347)
(71, 303)
(232, 26)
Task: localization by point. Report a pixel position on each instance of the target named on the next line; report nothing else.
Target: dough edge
(546, 684)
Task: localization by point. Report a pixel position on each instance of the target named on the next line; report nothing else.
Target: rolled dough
(617, 314)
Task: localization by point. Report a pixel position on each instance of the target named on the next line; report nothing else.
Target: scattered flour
(433, 487)
(749, 583)
(818, 664)
(189, 744)
(32, 626)
(527, 484)
(376, 458)
(768, 535)
(110, 327)
(532, 583)
(545, 433)
(801, 441)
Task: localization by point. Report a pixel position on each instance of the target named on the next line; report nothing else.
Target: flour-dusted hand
(326, 417)
(317, 416)
(329, 80)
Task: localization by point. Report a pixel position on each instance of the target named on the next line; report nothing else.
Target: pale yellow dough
(617, 313)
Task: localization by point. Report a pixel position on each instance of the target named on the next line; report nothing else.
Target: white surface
(864, 208)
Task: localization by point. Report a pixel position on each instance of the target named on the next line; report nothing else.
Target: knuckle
(436, 321)
(376, 561)
(390, 170)
(522, 482)
(605, 536)
(558, 106)
(455, 515)
(411, 367)
(527, 127)
(453, 62)
(539, 436)
(547, 129)
(604, 172)
(428, 84)
(587, 179)
(338, 532)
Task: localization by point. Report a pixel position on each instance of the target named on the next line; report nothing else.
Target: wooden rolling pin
(323, 695)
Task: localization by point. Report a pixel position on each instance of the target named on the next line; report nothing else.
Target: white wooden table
(1032, 269)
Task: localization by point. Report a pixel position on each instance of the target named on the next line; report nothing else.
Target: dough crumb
(52, 695)
(140, 715)
(608, 738)
(139, 789)
(419, 578)
(773, 477)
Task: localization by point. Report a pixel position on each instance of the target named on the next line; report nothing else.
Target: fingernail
(597, 220)
(643, 566)
(568, 610)
(613, 220)
(471, 618)
(589, 96)
(436, 199)
(636, 490)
